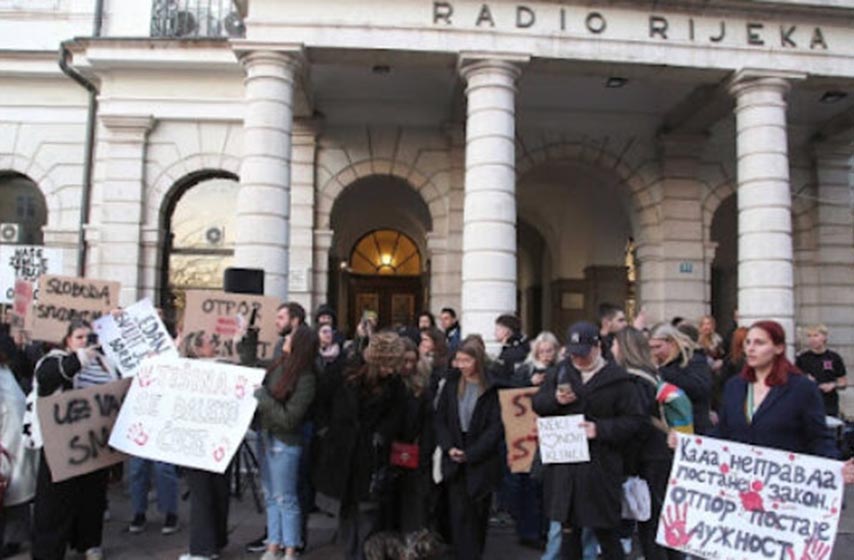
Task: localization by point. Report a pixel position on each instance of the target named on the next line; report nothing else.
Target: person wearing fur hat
(352, 466)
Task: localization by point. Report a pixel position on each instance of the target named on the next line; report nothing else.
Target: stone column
(302, 214)
(834, 253)
(489, 223)
(263, 202)
(120, 248)
(765, 271)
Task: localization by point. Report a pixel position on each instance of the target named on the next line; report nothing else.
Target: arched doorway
(23, 212)
(724, 232)
(377, 259)
(199, 237)
(583, 214)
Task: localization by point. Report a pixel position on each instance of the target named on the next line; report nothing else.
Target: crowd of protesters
(398, 432)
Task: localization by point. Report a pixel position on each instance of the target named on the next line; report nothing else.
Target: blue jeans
(280, 475)
(165, 483)
(554, 541)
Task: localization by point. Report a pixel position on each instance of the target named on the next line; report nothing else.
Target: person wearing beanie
(515, 346)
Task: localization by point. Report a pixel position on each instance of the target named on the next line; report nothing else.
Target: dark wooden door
(396, 300)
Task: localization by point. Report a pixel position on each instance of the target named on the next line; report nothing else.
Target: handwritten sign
(187, 412)
(76, 426)
(63, 299)
(520, 422)
(222, 316)
(563, 440)
(732, 501)
(133, 335)
(22, 303)
(25, 262)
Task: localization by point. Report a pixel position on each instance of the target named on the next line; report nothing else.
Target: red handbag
(404, 455)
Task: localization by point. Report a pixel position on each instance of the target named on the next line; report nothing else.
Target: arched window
(201, 237)
(385, 252)
(23, 212)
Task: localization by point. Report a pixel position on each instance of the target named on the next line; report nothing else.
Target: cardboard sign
(732, 501)
(520, 427)
(187, 412)
(223, 317)
(64, 298)
(133, 335)
(76, 427)
(563, 440)
(22, 302)
(26, 262)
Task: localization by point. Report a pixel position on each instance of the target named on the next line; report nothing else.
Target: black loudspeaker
(244, 281)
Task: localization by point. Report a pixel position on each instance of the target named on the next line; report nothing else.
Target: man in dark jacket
(514, 346)
(612, 320)
(589, 494)
(453, 333)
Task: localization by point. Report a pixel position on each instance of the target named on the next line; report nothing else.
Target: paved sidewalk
(246, 524)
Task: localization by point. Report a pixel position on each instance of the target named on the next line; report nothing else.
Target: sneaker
(258, 545)
(269, 555)
(191, 557)
(170, 526)
(138, 524)
(94, 553)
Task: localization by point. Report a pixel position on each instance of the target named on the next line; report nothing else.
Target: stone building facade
(529, 150)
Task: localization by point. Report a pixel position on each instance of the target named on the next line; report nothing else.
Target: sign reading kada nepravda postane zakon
(132, 335)
(187, 412)
(63, 299)
(730, 501)
(222, 316)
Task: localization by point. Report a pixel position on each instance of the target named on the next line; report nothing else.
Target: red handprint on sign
(145, 377)
(675, 532)
(240, 388)
(815, 550)
(136, 433)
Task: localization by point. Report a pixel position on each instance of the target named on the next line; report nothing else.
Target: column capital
(254, 53)
(127, 127)
(475, 62)
(748, 79)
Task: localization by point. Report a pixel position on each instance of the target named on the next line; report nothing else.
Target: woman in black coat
(681, 364)
(589, 494)
(365, 417)
(469, 433)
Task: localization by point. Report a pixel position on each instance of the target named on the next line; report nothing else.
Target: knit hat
(385, 349)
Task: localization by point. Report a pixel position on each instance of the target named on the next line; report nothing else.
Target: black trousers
(68, 513)
(656, 475)
(469, 518)
(209, 500)
(609, 541)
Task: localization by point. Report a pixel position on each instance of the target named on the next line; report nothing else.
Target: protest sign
(26, 262)
(76, 426)
(22, 302)
(562, 439)
(520, 423)
(132, 335)
(732, 501)
(222, 316)
(63, 299)
(192, 413)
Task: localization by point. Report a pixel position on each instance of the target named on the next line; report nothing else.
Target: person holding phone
(71, 512)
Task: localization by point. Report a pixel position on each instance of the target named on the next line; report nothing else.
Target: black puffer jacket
(696, 380)
(589, 494)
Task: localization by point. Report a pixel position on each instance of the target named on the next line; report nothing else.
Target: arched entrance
(199, 236)
(724, 232)
(582, 215)
(377, 259)
(23, 212)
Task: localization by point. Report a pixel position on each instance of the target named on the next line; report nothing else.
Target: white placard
(730, 501)
(133, 335)
(562, 439)
(187, 412)
(26, 262)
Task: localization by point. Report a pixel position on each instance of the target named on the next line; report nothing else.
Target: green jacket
(284, 419)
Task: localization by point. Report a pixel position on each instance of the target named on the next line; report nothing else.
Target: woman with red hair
(772, 404)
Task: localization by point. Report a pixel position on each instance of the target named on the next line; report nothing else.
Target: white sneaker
(95, 553)
(191, 557)
(268, 555)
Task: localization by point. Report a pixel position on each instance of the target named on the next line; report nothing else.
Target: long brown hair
(736, 347)
(478, 352)
(304, 343)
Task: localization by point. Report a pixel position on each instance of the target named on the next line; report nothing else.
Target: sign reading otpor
(730, 501)
(192, 413)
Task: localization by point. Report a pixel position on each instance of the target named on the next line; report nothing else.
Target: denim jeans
(165, 483)
(280, 476)
(554, 541)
